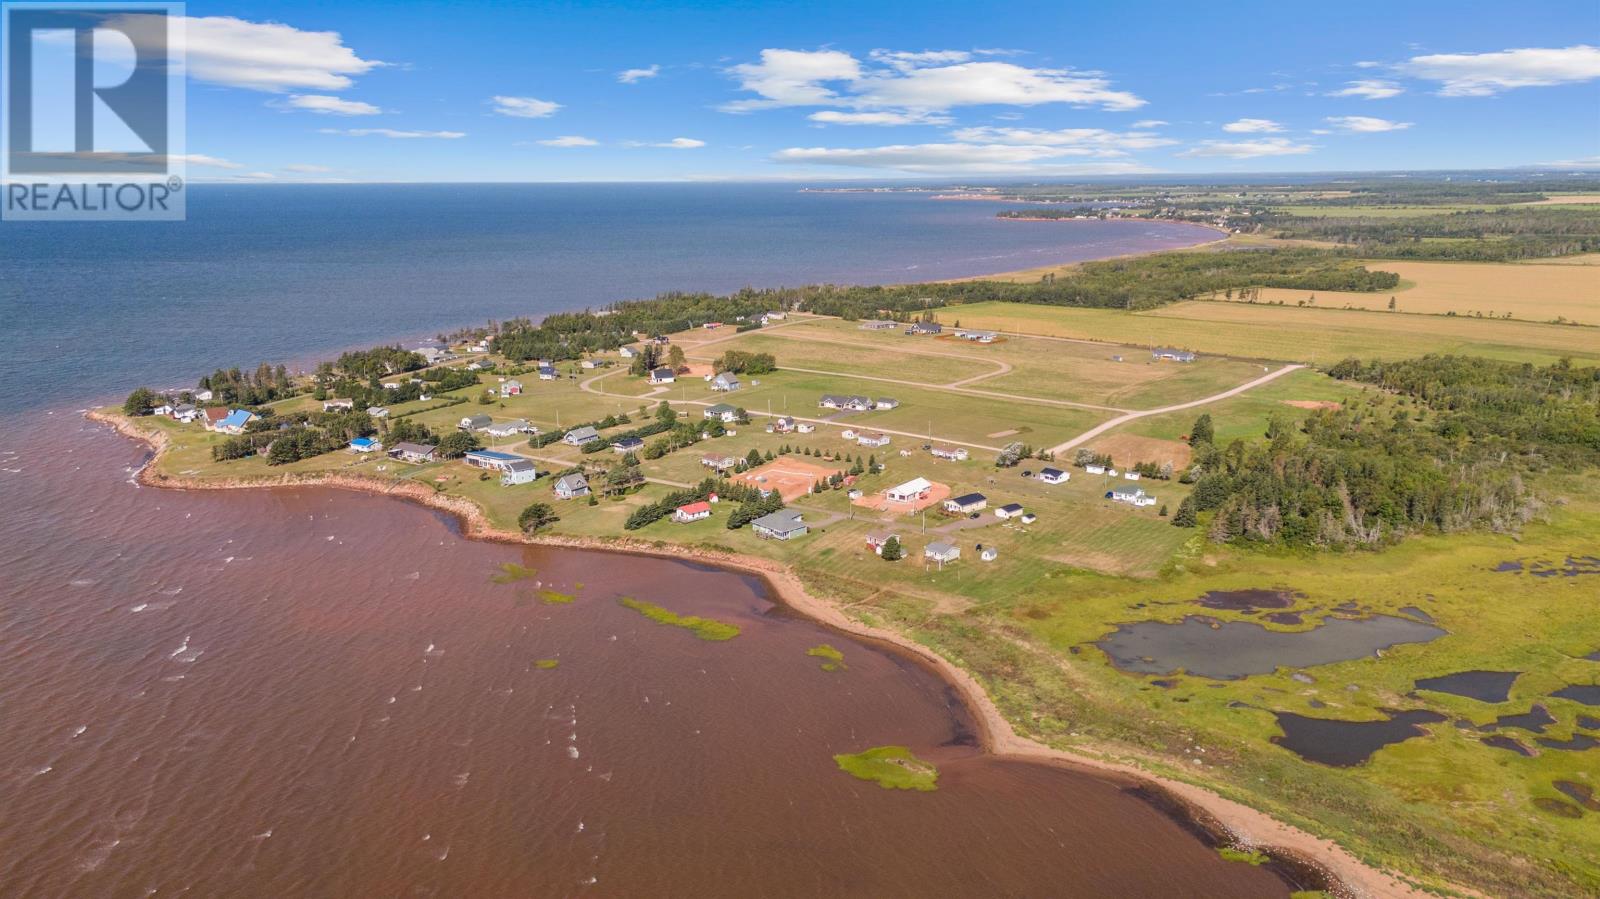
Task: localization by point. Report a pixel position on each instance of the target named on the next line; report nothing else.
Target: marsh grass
(890, 767)
(832, 659)
(704, 628)
(511, 572)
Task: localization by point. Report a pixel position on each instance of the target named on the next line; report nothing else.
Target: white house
(692, 512)
(1130, 476)
(1133, 496)
(475, 422)
(1095, 469)
(876, 540)
(722, 412)
(378, 411)
(952, 453)
(338, 405)
(968, 502)
(988, 554)
(628, 352)
(885, 402)
(624, 445)
(804, 427)
(910, 491)
(509, 428)
(1009, 510)
(783, 424)
(547, 373)
(941, 552)
(202, 396)
(724, 382)
(872, 438)
(1054, 476)
(663, 376)
(365, 445)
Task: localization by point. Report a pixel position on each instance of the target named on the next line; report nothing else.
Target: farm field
(1020, 366)
(1317, 336)
(1524, 291)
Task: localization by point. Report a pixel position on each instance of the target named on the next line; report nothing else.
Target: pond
(1343, 744)
(1588, 694)
(1484, 686)
(1235, 649)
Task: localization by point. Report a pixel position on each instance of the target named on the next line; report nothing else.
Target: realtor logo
(91, 112)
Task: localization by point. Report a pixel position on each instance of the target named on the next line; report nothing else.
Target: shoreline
(1065, 266)
(1222, 820)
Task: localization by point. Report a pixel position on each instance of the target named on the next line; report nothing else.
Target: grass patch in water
(1248, 856)
(511, 572)
(890, 767)
(704, 628)
(546, 664)
(832, 659)
(556, 598)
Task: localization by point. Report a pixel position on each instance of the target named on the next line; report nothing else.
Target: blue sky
(379, 91)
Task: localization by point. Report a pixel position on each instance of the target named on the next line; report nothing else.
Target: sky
(812, 91)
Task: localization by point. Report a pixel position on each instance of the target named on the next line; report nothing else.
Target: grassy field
(1019, 366)
(1524, 291)
(1318, 336)
(1445, 804)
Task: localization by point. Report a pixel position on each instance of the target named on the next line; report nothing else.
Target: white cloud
(1083, 141)
(1588, 162)
(677, 143)
(263, 56)
(924, 81)
(1486, 74)
(1365, 124)
(955, 158)
(634, 76)
(904, 60)
(1369, 89)
(1248, 149)
(524, 107)
(214, 162)
(304, 168)
(569, 140)
(1252, 126)
(392, 133)
(1150, 123)
(881, 117)
(326, 105)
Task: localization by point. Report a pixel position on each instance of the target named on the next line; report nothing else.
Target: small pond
(1237, 649)
(1484, 686)
(1343, 744)
(1249, 600)
(1588, 694)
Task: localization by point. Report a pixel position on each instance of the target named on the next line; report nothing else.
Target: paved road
(1103, 427)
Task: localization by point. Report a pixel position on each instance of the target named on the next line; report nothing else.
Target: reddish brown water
(317, 693)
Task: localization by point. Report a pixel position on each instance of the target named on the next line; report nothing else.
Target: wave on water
(184, 654)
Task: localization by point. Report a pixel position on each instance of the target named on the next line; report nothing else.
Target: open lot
(1524, 291)
(792, 477)
(1319, 336)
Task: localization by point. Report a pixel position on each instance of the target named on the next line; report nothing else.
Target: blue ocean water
(289, 273)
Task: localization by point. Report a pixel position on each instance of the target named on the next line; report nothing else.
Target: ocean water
(293, 273)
